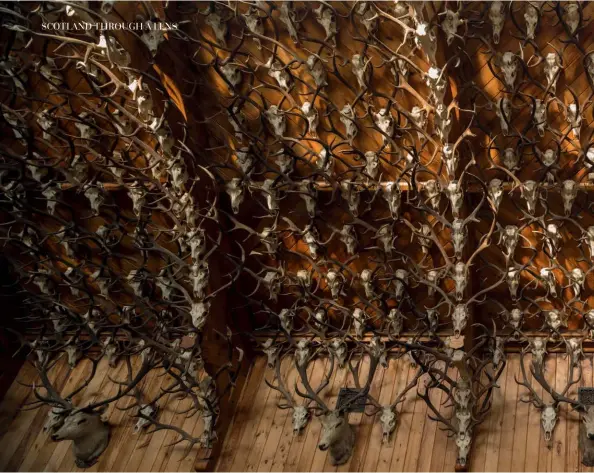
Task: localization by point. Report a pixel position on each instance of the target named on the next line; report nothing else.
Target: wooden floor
(24, 446)
(260, 437)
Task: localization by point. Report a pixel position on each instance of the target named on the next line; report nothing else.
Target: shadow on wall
(12, 311)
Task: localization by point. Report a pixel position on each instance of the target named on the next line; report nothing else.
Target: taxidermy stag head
(89, 435)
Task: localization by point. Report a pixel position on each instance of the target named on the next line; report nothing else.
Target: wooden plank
(545, 457)
(190, 420)
(430, 430)
(339, 382)
(93, 390)
(110, 389)
(586, 381)
(534, 434)
(451, 452)
(495, 429)
(415, 442)
(39, 454)
(279, 427)
(29, 443)
(62, 458)
(310, 462)
(404, 427)
(368, 425)
(560, 434)
(255, 435)
(122, 422)
(139, 441)
(171, 437)
(187, 463)
(363, 431)
(441, 437)
(14, 398)
(387, 449)
(241, 414)
(316, 463)
(375, 437)
(506, 447)
(297, 446)
(355, 418)
(521, 426)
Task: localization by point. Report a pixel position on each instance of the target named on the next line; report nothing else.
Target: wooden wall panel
(510, 439)
(261, 437)
(27, 447)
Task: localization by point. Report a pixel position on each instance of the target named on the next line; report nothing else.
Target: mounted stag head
(89, 435)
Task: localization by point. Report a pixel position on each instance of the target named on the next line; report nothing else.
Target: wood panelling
(261, 437)
(510, 439)
(25, 446)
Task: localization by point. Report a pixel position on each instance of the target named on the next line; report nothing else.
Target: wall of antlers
(357, 181)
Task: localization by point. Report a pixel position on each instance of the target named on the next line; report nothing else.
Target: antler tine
(281, 388)
(438, 416)
(538, 374)
(534, 397)
(310, 393)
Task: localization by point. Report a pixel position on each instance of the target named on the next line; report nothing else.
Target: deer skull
(459, 319)
(551, 69)
(455, 193)
(540, 116)
(349, 238)
(569, 192)
(432, 191)
(460, 278)
(530, 194)
(235, 190)
(531, 15)
(496, 192)
(392, 195)
(335, 281)
(347, 117)
(509, 67)
(497, 17)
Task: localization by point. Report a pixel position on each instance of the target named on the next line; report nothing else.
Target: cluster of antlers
(110, 243)
(386, 188)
